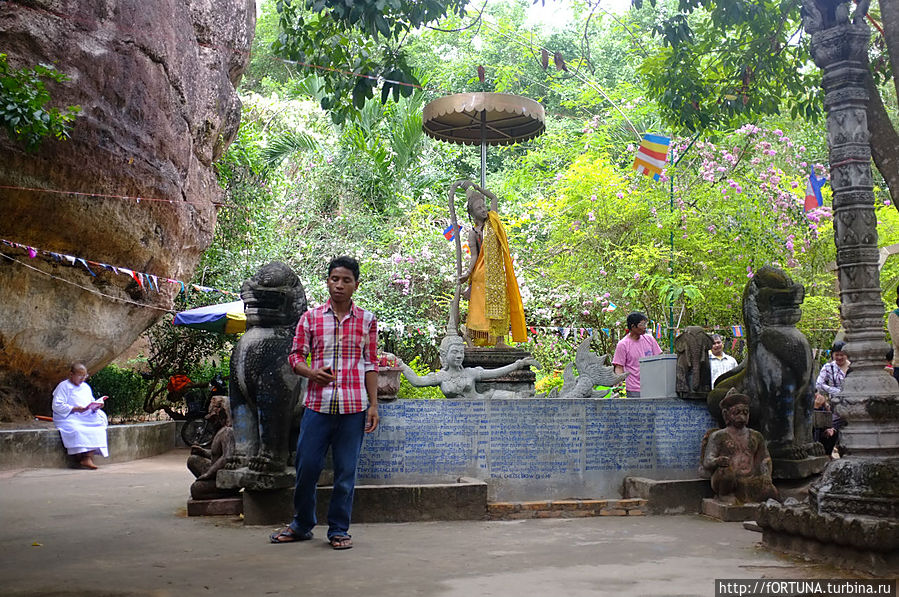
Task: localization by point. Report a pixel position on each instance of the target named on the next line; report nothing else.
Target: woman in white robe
(78, 417)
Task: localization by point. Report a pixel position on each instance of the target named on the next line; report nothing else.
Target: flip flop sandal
(341, 542)
(288, 535)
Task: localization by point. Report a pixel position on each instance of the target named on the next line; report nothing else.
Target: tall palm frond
(284, 145)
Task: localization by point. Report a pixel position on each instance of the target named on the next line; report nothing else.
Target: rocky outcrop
(156, 81)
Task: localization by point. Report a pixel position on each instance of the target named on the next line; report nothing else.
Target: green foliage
(125, 388)
(592, 239)
(409, 392)
(23, 104)
(721, 64)
(364, 37)
(181, 350)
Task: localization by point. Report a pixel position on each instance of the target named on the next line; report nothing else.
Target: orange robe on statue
(495, 303)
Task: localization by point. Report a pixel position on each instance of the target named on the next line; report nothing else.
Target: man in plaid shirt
(341, 401)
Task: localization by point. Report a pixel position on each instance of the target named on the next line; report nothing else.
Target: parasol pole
(452, 327)
(483, 149)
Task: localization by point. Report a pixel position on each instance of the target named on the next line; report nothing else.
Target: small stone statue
(592, 371)
(458, 382)
(777, 374)
(737, 457)
(264, 389)
(694, 376)
(205, 464)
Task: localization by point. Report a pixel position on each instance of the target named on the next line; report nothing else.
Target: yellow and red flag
(652, 155)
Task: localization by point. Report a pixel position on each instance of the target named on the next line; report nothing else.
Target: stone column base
(271, 507)
(729, 512)
(861, 543)
(520, 381)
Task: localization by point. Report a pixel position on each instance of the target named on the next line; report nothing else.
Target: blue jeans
(343, 434)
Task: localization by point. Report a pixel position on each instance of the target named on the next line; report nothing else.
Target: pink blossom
(606, 295)
(591, 216)
(592, 197)
(620, 195)
(636, 276)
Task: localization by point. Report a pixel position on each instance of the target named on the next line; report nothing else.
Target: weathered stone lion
(264, 390)
(777, 373)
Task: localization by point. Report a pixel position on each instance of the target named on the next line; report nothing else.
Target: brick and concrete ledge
(42, 448)
(466, 499)
(565, 509)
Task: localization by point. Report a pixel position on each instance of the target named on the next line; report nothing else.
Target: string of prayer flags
(813, 197)
(652, 155)
(142, 279)
(737, 331)
(449, 233)
(611, 307)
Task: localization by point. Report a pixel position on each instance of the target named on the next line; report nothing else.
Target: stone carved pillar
(855, 503)
(869, 392)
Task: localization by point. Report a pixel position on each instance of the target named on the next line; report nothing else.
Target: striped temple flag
(737, 330)
(652, 155)
(449, 233)
(813, 198)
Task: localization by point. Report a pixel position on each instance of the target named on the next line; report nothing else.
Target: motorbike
(197, 429)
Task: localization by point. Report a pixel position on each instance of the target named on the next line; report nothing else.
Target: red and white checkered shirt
(348, 346)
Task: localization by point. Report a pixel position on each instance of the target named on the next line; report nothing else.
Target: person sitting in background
(79, 418)
(893, 328)
(829, 437)
(830, 379)
(719, 361)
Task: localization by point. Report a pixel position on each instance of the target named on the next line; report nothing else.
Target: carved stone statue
(264, 390)
(494, 300)
(592, 371)
(736, 456)
(205, 463)
(694, 376)
(458, 382)
(777, 374)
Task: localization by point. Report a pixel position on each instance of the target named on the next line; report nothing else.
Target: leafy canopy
(23, 104)
(364, 37)
(721, 64)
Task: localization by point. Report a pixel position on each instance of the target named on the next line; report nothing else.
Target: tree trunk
(884, 140)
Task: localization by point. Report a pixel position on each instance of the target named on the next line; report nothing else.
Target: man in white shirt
(718, 361)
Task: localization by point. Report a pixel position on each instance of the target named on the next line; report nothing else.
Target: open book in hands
(97, 403)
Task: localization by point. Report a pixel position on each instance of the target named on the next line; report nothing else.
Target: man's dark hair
(838, 346)
(347, 262)
(634, 319)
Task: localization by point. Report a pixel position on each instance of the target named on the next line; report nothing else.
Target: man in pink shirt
(633, 347)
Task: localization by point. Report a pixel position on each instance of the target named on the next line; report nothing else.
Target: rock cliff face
(156, 81)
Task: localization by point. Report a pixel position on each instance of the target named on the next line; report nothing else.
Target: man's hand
(371, 418)
(322, 376)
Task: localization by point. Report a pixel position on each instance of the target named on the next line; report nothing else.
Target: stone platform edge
(574, 508)
(42, 448)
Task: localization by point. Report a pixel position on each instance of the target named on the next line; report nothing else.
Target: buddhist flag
(813, 198)
(449, 233)
(652, 155)
(737, 331)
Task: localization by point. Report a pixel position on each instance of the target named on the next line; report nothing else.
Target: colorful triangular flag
(652, 155)
(813, 198)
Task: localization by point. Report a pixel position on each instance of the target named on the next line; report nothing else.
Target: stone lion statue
(777, 373)
(264, 391)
